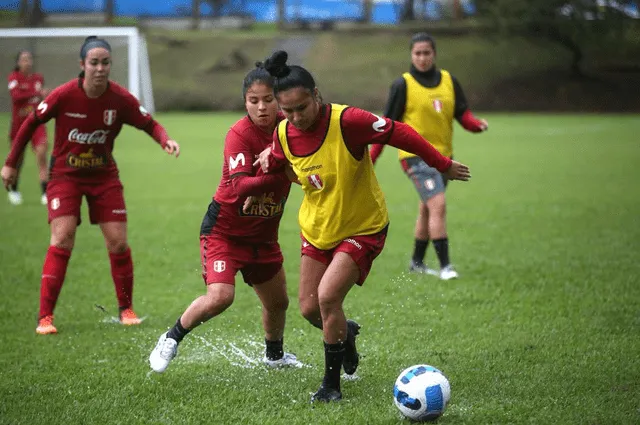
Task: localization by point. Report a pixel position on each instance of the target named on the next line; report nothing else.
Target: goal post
(56, 55)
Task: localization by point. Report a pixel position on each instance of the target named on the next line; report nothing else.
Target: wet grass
(541, 328)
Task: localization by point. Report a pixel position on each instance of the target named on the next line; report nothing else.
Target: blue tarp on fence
(384, 11)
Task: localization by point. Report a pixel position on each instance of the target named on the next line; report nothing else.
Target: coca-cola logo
(98, 137)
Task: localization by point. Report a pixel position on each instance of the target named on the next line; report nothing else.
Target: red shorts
(222, 258)
(362, 249)
(105, 200)
(39, 135)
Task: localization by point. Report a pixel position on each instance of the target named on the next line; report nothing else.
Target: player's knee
(63, 240)
(436, 205)
(64, 244)
(278, 304)
(329, 301)
(219, 298)
(424, 209)
(310, 309)
(117, 246)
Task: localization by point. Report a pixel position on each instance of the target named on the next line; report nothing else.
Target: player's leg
(275, 301)
(269, 283)
(313, 264)
(421, 241)
(218, 298)
(336, 282)
(351, 264)
(218, 272)
(429, 184)
(13, 195)
(107, 209)
(121, 262)
(40, 145)
(416, 169)
(64, 217)
(438, 230)
(219, 269)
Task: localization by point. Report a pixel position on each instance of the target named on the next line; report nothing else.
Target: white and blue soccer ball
(421, 392)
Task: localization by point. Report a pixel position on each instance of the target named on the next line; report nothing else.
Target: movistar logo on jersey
(234, 162)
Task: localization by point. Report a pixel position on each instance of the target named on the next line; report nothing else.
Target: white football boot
(288, 360)
(166, 349)
(448, 273)
(15, 197)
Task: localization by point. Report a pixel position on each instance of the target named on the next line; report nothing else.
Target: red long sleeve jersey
(240, 179)
(85, 129)
(360, 128)
(24, 91)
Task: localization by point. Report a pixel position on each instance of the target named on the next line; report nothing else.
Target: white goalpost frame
(139, 78)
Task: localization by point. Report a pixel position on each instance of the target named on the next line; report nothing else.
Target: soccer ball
(421, 392)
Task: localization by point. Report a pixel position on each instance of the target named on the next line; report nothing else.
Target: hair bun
(276, 65)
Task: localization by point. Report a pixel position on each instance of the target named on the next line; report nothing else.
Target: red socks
(53, 271)
(55, 268)
(122, 273)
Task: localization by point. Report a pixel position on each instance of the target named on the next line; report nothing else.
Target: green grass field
(542, 328)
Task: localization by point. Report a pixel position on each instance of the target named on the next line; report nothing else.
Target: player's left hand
(458, 171)
(484, 125)
(172, 148)
(8, 176)
(247, 204)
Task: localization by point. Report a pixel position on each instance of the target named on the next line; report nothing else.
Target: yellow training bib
(430, 112)
(342, 197)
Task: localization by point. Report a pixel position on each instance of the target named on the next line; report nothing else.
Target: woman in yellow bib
(343, 217)
(428, 99)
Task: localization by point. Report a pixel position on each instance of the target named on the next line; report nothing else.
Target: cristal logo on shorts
(97, 137)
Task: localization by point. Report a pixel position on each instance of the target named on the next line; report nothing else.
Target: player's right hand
(8, 176)
(172, 148)
(458, 171)
(263, 160)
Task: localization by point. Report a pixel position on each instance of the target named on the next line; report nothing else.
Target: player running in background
(428, 99)
(235, 239)
(343, 216)
(26, 89)
(89, 112)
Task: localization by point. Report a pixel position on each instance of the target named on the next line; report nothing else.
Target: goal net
(56, 54)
